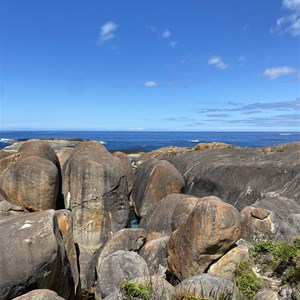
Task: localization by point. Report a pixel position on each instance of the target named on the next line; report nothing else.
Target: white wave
(3, 140)
(194, 141)
(103, 143)
(284, 133)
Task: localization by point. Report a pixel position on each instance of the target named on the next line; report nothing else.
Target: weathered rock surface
(204, 285)
(64, 224)
(63, 155)
(38, 148)
(266, 295)
(182, 210)
(127, 165)
(117, 267)
(163, 153)
(31, 177)
(87, 267)
(153, 181)
(273, 218)
(158, 223)
(213, 145)
(41, 294)
(241, 176)
(155, 255)
(225, 267)
(56, 144)
(127, 239)
(33, 256)
(95, 190)
(9, 209)
(32, 182)
(209, 231)
(160, 288)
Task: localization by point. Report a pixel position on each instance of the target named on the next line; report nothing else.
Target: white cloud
(218, 62)
(166, 34)
(173, 44)
(242, 60)
(150, 84)
(152, 28)
(289, 23)
(107, 32)
(273, 73)
(291, 4)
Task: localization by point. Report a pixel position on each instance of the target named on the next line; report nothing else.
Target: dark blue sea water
(136, 140)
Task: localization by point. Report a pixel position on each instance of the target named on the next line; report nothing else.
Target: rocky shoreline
(65, 206)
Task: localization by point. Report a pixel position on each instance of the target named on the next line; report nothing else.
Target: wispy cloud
(289, 23)
(152, 28)
(273, 73)
(173, 44)
(107, 32)
(258, 106)
(242, 60)
(218, 62)
(150, 84)
(166, 34)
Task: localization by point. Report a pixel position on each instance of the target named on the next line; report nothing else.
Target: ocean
(147, 141)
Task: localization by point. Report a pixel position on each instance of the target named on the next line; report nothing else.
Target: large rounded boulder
(95, 189)
(208, 232)
(31, 177)
(154, 180)
(34, 254)
(116, 268)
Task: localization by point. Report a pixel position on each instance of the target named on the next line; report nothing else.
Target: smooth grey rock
(127, 239)
(204, 285)
(241, 176)
(158, 223)
(273, 218)
(154, 253)
(87, 267)
(33, 256)
(41, 294)
(117, 267)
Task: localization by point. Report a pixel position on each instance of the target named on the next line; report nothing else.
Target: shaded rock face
(225, 267)
(117, 267)
(32, 177)
(42, 294)
(267, 295)
(273, 218)
(209, 231)
(127, 239)
(182, 210)
(87, 267)
(127, 165)
(153, 181)
(95, 190)
(158, 223)
(204, 285)
(33, 256)
(241, 176)
(155, 255)
(63, 155)
(9, 209)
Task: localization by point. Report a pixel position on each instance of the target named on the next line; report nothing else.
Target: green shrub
(246, 280)
(133, 290)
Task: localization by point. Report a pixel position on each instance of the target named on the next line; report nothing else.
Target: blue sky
(150, 65)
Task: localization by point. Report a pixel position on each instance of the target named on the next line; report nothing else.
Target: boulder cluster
(68, 218)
